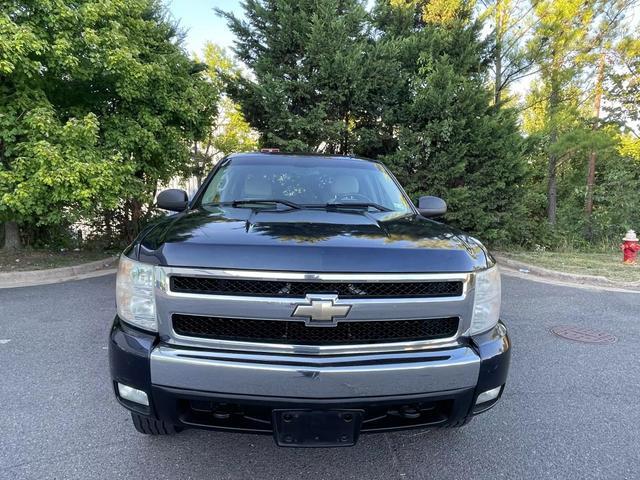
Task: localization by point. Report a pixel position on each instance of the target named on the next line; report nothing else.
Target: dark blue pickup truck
(306, 297)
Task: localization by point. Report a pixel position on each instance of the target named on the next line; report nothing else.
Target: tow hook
(406, 411)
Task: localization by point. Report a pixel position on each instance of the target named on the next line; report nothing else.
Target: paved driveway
(570, 410)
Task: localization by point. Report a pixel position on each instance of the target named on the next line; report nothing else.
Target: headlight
(134, 294)
(486, 304)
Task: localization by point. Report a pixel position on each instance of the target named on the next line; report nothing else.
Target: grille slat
(273, 288)
(297, 333)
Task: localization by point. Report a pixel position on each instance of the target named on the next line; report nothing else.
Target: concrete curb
(56, 275)
(594, 280)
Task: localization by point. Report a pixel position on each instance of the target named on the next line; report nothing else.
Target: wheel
(151, 426)
(459, 423)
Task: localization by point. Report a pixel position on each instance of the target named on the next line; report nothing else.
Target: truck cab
(306, 297)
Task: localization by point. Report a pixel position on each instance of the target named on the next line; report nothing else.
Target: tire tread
(459, 423)
(151, 426)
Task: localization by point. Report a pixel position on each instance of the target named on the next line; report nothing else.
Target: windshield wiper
(297, 206)
(257, 201)
(338, 205)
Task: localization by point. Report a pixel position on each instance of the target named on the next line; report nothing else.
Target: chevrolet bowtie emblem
(321, 310)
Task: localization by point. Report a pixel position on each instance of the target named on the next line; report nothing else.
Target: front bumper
(238, 391)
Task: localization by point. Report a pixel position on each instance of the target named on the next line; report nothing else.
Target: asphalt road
(570, 410)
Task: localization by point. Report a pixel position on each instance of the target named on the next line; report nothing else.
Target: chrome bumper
(308, 371)
(315, 377)
(250, 386)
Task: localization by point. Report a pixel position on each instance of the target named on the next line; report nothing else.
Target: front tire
(459, 423)
(151, 426)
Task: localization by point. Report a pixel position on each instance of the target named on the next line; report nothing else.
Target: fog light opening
(133, 395)
(489, 395)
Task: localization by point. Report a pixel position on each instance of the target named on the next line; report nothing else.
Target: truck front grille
(297, 333)
(272, 288)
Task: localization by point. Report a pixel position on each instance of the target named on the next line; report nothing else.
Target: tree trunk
(11, 237)
(136, 215)
(498, 86)
(108, 225)
(591, 181)
(552, 186)
(197, 164)
(552, 190)
(344, 142)
(497, 56)
(591, 170)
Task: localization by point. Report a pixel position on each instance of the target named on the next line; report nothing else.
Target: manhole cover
(585, 335)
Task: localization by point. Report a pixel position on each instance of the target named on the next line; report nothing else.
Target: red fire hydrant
(630, 247)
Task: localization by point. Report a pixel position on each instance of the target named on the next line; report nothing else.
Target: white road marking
(4, 341)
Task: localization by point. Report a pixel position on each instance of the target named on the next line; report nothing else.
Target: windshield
(306, 181)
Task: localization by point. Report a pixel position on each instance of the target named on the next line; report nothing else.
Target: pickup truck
(306, 297)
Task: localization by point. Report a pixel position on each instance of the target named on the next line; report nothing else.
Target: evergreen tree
(452, 141)
(405, 84)
(314, 75)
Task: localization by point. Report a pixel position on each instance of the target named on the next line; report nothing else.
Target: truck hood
(309, 241)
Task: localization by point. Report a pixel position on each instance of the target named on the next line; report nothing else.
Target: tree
(623, 85)
(313, 74)
(617, 190)
(230, 132)
(591, 172)
(405, 84)
(50, 165)
(572, 42)
(98, 102)
(561, 43)
(445, 117)
(512, 23)
(609, 28)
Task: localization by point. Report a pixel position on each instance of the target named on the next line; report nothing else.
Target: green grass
(29, 259)
(608, 265)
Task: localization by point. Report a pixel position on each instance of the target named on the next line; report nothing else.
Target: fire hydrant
(630, 248)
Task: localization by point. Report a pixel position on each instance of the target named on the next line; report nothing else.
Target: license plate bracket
(316, 428)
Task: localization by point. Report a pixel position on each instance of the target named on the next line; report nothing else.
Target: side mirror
(173, 199)
(431, 206)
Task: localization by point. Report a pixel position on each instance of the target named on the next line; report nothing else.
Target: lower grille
(297, 333)
(257, 417)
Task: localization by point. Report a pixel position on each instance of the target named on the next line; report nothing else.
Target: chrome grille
(256, 301)
(272, 288)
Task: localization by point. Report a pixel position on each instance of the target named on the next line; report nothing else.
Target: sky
(201, 22)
